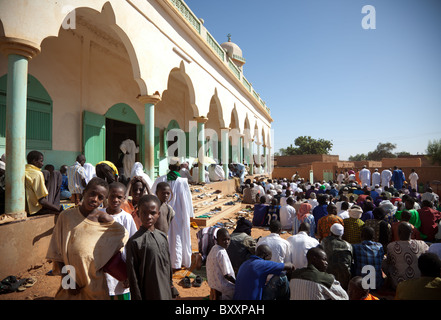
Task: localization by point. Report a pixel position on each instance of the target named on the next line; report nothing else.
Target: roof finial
(229, 37)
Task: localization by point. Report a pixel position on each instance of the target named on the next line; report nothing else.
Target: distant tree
(358, 157)
(384, 150)
(433, 151)
(308, 145)
(402, 154)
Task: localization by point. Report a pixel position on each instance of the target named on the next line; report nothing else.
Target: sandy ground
(46, 285)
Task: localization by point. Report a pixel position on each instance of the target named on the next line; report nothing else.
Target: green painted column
(201, 147)
(149, 102)
(251, 161)
(16, 99)
(265, 164)
(224, 154)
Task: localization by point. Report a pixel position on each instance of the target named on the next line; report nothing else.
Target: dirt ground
(47, 285)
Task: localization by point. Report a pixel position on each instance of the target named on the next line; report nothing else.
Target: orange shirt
(370, 297)
(127, 206)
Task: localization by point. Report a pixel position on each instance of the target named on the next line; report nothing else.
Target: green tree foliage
(358, 157)
(433, 151)
(384, 150)
(308, 145)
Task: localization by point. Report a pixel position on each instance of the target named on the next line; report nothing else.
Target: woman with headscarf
(107, 171)
(242, 245)
(304, 215)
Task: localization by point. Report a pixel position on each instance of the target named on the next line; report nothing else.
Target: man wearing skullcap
(339, 253)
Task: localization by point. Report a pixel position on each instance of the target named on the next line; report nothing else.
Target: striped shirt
(75, 175)
(309, 290)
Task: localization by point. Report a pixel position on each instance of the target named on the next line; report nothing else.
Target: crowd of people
(350, 238)
(356, 237)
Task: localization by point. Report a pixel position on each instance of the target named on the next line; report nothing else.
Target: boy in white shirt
(119, 290)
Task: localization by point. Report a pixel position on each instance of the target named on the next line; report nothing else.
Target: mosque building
(83, 76)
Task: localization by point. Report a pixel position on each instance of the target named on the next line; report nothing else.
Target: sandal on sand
(197, 282)
(186, 282)
(27, 283)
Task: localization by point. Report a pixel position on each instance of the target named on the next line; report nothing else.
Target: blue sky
(323, 75)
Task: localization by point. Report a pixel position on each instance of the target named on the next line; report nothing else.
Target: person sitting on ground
(426, 287)
(53, 180)
(304, 215)
(320, 211)
(405, 216)
(250, 195)
(353, 225)
(401, 262)
(242, 244)
(287, 214)
(260, 213)
(415, 218)
(313, 282)
(252, 275)
(35, 188)
(300, 244)
(277, 287)
(325, 223)
(343, 213)
(368, 253)
(429, 220)
(220, 273)
(64, 189)
(339, 253)
(382, 229)
(77, 178)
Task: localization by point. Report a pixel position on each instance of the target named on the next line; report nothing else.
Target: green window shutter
(38, 125)
(38, 115)
(94, 137)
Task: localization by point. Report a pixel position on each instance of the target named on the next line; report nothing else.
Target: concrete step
(216, 217)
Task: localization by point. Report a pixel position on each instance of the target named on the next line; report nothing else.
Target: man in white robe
(216, 173)
(386, 175)
(365, 177)
(413, 179)
(185, 172)
(179, 237)
(129, 148)
(376, 178)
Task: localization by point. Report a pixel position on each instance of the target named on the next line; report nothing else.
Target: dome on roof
(231, 48)
(234, 52)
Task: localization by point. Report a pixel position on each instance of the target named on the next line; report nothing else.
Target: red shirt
(428, 217)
